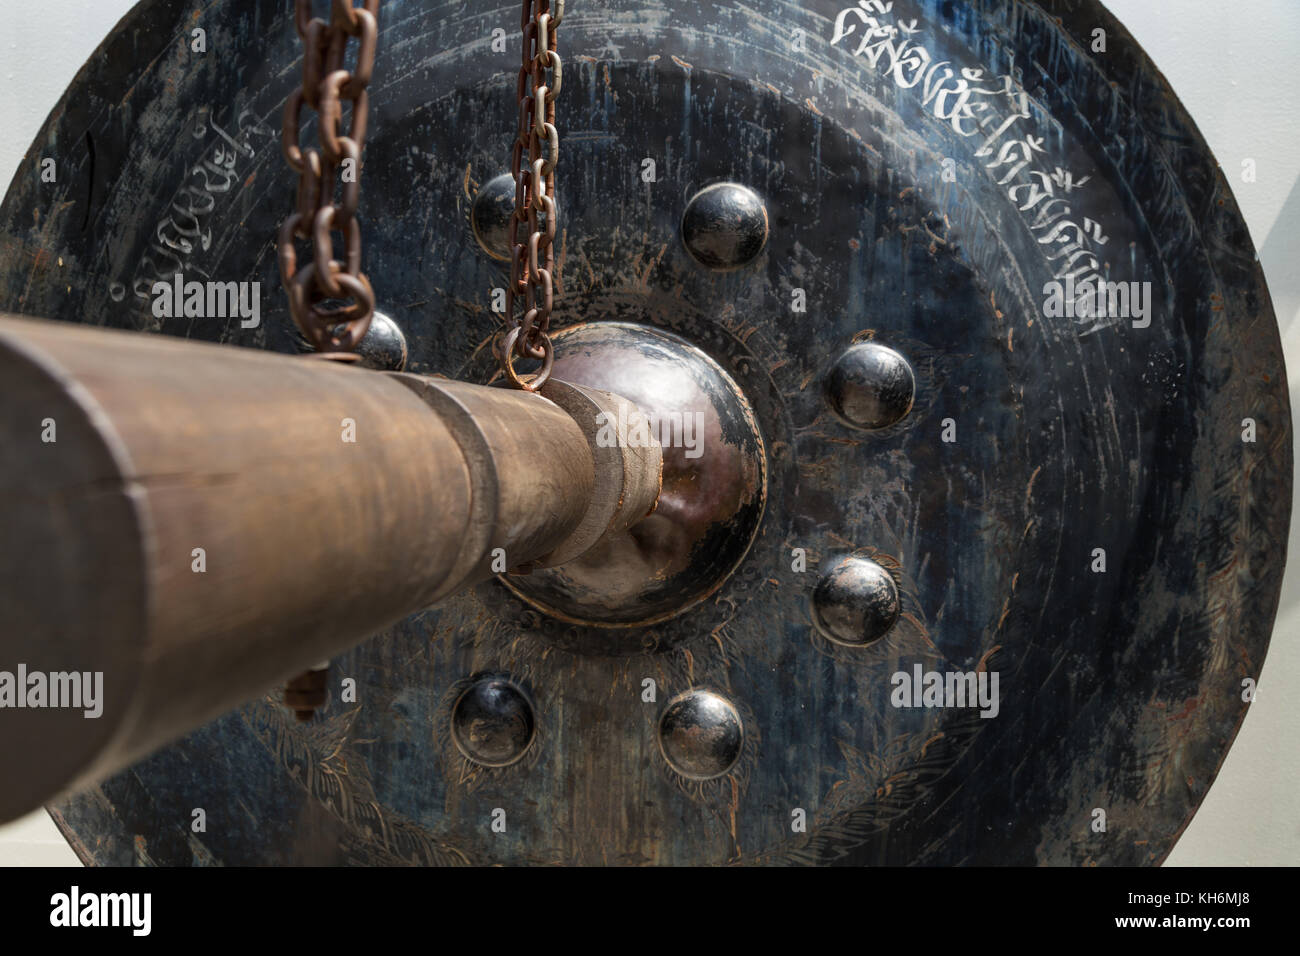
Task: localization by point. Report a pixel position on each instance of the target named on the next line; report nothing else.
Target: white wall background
(1230, 64)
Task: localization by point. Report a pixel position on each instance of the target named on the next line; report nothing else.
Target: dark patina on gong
(924, 171)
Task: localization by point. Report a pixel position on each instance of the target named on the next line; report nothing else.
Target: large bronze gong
(859, 239)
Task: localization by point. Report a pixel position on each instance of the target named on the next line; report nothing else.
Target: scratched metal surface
(1119, 691)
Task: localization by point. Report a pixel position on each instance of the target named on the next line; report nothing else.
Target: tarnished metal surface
(927, 170)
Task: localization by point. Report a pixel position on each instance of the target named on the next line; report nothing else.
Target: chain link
(532, 260)
(326, 84)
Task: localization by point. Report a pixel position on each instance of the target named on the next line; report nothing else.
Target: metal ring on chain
(322, 247)
(287, 254)
(289, 134)
(508, 361)
(320, 326)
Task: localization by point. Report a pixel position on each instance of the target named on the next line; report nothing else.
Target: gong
(991, 389)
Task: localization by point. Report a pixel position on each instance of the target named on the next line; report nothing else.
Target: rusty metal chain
(334, 331)
(532, 261)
